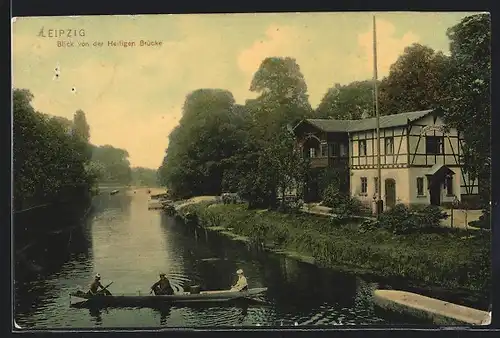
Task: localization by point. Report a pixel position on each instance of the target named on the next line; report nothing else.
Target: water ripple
(129, 245)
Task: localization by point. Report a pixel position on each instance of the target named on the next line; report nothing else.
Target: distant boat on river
(114, 192)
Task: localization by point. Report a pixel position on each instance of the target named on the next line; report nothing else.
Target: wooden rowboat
(153, 300)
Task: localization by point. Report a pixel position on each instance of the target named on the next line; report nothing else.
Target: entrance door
(390, 193)
(435, 192)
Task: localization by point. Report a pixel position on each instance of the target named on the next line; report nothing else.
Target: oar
(104, 288)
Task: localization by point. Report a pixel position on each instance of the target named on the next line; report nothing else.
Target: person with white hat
(241, 284)
(96, 285)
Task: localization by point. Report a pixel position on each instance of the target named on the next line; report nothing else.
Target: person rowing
(241, 283)
(96, 285)
(162, 287)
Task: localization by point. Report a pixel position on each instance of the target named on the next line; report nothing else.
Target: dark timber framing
(451, 157)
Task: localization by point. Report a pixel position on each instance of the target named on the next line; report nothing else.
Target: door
(390, 193)
(435, 192)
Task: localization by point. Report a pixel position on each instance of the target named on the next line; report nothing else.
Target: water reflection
(164, 315)
(96, 314)
(128, 244)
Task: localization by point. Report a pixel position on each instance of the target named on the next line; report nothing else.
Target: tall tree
(348, 102)
(144, 177)
(209, 132)
(468, 103)
(283, 95)
(414, 81)
(111, 164)
(80, 126)
(47, 161)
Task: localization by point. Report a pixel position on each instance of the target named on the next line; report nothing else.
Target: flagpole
(377, 116)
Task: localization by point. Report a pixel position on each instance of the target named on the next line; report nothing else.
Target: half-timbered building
(420, 160)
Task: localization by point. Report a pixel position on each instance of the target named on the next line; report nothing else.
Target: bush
(398, 220)
(230, 198)
(431, 216)
(403, 220)
(484, 221)
(332, 196)
(433, 258)
(369, 225)
(291, 206)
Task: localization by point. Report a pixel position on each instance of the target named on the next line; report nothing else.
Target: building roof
(330, 125)
(387, 121)
(438, 168)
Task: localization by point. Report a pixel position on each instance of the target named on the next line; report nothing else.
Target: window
(343, 150)
(312, 152)
(389, 145)
(449, 186)
(375, 181)
(434, 145)
(420, 186)
(334, 149)
(364, 185)
(362, 147)
(324, 150)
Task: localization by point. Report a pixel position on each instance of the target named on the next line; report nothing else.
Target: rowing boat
(154, 300)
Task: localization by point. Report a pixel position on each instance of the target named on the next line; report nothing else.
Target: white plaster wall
(399, 175)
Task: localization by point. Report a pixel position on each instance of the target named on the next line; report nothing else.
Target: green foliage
(484, 221)
(337, 177)
(111, 165)
(468, 104)
(343, 206)
(348, 207)
(144, 177)
(399, 220)
(402, 220)
(431, 216)
(414, 82)
(210, 132)
(50, 161)
(220, 146)
(440, 259)
(348, 102)
(80, 126)
(332, 196)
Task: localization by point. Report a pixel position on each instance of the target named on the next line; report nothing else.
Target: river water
(129, 245)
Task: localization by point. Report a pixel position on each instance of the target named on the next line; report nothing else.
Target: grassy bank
(453, 259)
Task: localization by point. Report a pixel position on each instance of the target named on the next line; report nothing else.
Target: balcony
(319, 162)
(323, 162)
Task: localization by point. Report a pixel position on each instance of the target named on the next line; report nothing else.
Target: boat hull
(155, 301)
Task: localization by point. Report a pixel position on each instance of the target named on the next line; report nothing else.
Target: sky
(133, 96)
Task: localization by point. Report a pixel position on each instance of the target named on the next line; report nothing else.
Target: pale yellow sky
(133, 96)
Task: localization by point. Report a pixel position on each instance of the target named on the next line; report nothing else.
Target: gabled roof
(387, 121)
(439, 168)
(330, 125)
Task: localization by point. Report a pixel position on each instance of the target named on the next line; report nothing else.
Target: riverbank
(453, 260)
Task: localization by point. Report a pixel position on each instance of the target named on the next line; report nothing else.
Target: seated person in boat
(96, 285)
(162, 287)
(241, 284)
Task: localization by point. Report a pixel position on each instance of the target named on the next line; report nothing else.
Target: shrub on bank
(403, 220)
(446, 259)
(343, 206)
